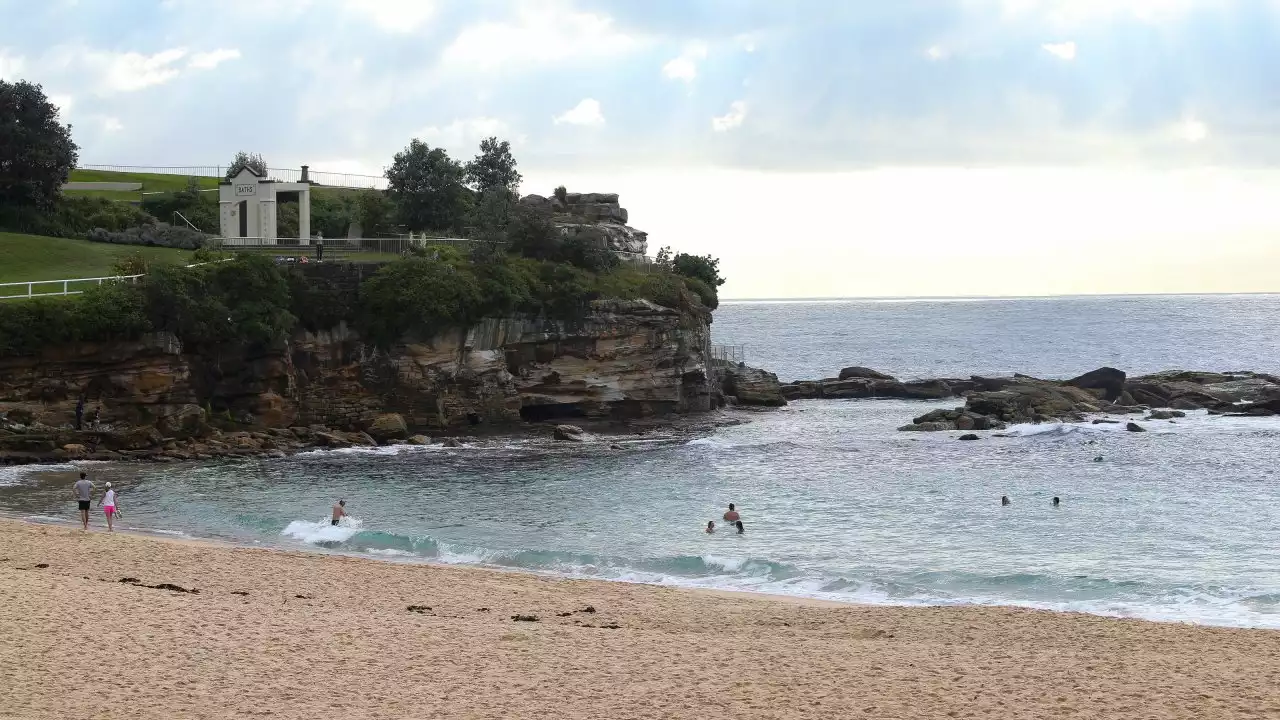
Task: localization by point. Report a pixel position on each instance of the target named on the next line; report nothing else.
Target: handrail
(66, 289)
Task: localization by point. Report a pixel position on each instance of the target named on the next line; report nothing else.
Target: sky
(819, 148)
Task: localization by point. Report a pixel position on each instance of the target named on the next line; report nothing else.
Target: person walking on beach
(731, 516)
(83, 491)
(108, 504)
(339, 511)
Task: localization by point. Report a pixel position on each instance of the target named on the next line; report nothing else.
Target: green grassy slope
(35, 257)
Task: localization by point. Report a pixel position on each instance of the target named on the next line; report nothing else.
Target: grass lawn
(151, 182)
(35, 257)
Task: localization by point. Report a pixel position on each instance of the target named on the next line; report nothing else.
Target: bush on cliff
(112, 311)
(73, 217)
(243, 301)
(157, 235)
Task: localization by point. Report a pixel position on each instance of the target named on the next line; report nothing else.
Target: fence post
(64, 286)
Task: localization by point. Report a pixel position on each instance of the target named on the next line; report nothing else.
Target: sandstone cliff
(623, 359)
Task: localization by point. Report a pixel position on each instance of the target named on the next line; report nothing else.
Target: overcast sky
(820, 148)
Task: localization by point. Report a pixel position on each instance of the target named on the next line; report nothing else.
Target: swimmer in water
(339, 511)
(1055, 501)
(738, 525)
(711, 526)
(731, 515)
(1004, 500)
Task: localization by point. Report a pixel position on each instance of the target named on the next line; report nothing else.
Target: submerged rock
(970, 436)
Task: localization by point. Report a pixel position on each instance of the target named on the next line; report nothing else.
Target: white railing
(65, 290)
(319, 177)
(66, 284)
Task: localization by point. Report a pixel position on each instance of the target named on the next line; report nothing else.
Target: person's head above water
(1004, 500)
(1055, 499)
(343, 503)
(711, 526)
(730, 506)
(739, 526)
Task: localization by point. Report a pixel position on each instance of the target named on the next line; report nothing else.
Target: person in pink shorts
(108, 504)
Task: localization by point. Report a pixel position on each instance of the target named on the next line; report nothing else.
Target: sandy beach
(298, 635)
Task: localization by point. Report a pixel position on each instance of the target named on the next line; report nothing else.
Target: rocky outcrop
(957, 419)
(623, 359)
(1108, 380)
(595, 216)
(859, 387)
(750, 386)
(861, 372)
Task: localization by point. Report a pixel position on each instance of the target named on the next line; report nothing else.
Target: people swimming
(738, 525)
(1055, 501)
(711, 526)
(339, 511)
(1004, 500)
(731, 515)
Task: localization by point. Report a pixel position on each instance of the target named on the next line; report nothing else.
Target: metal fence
(346, 248)
(319, 177)
(58, 287)
(733, 354)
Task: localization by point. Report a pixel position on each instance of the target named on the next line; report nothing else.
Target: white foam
(322, 531)
(390, 552)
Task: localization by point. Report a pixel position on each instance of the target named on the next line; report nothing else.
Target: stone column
(304, 212)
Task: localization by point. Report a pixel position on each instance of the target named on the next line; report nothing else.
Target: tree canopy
(243, 160)
(426, 185)
(494, 168)
(36, 150)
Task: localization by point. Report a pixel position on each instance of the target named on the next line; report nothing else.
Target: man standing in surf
(83, 491)
(339, 511)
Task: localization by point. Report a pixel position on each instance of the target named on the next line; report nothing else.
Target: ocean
(1176, 524)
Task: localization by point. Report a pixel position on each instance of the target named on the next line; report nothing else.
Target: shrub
(111, 311)
(585, 251)
(244, 301)
(199, 208)
(73, 217)
(702, 267)
(532, 234)
(157, 235)
(417, 295)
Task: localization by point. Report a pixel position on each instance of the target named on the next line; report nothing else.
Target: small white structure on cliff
(247, 208)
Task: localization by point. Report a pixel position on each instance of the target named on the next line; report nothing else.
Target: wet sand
(318, 635)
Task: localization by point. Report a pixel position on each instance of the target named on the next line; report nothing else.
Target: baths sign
(243, 189)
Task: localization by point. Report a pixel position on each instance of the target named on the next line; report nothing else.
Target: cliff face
(622, 360)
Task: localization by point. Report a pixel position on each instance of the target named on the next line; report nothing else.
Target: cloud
(111, 124)
(11, 66)
(684, 67)
(936, 52)
(1076, 13)
(542, 33)
(463, 135)
(1191, 130)
(212, 59)
(1064, 50)
(64, 104)
(586, 112)
(131, 71)
(732, 119)
(395, 16)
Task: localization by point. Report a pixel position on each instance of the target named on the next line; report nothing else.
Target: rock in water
(1134, 427)
(570, 433)
(970, 436)
(751, 386)
(388, 427)
(861, 372)
(419, 440)
(1107, 379)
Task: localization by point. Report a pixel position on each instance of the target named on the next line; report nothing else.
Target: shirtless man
(339, 511)
(732, 515)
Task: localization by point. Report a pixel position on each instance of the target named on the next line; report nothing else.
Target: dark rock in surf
(1134, 427)
(970, 436)
(1107, 379)
(570, 433)
(862, 372)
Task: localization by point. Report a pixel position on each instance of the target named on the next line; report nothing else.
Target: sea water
(1179, 523)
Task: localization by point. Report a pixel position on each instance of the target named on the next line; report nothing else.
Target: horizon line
(937, 298)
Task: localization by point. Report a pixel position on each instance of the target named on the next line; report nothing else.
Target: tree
(494, 168)
(492, 215)
(698, 267)
(426, 186)
(243, 160)
(36, 151)
(533, 234)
